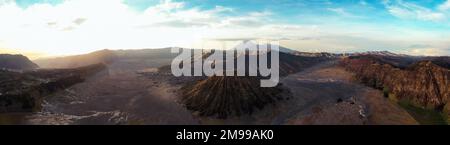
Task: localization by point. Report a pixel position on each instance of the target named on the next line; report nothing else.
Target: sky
(41, 28)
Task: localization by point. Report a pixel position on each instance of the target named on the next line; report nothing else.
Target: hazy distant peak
(16, 62)
(380, 53)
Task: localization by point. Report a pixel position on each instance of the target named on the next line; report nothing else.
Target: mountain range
(419, 81)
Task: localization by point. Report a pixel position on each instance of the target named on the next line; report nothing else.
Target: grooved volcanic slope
(231, 95)
(224, 96)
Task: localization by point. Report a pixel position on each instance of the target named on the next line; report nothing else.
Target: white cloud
(408, 10)
(344, 13)
(79, 26)
(427, 52)
(445, 6)
(338, 11)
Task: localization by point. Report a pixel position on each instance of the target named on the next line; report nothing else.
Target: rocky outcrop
(23, 92)
(226, 96)
(423, 83)
(16, 62)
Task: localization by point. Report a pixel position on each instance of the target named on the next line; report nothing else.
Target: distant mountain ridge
(16, 62)
(378, 53)
(165, 56)
(107, 57)
(102, 56)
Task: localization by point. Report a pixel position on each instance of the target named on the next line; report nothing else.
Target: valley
(135, 89)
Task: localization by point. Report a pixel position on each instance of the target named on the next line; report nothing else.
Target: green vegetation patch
(424, 116)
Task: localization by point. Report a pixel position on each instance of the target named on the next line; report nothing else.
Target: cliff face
(23, 92)
(16, 62)
(423, 83)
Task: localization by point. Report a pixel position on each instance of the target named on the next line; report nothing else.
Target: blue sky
(302, 11)
(417, 27)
